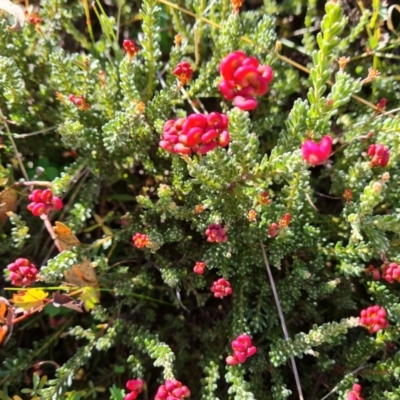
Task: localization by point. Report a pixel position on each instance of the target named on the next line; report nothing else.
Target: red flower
(183, 71)
(136, 387)
(242, 349)
(221, 288)
(273, 229)
(243, 78)
(172, 390)
(374, 318)
(316, 153)
(22, 272)
(380, 155)
(374, 272)
(216, 233)
(140, 240)
(43, 201)
(130, 48)
(197, 133)
(355, 393)
(199, 267)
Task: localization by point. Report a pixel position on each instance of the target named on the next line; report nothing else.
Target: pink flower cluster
(197, 133)
(316, 153)
(140, 240)
(242, 349)
(374, 318)
(216, 234)
(199, 267)
(183, 71)
(221, 288)
(136, 387)
(391, 272)
(380, 155)
(43, 201)
(22, 272)
(172, 390)
(355, 393)
(243, 78)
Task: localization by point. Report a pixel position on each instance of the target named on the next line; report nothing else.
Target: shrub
(227, 232)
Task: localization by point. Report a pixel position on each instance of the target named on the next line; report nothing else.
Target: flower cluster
(130, 48)
(316, 153)
(380, 155)
(243, 78)
(79, 101)
(140, 240)
(199, 267)
(391, 272)
(183, 71)
(136, 387)
(172, 390)
(374, 318)
(355, 393)
(197, 133)
(242, 349)
(221, 288)
(43, 201)
(22, 272)
(215, 233)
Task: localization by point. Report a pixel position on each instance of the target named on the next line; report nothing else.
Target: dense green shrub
(156, 318)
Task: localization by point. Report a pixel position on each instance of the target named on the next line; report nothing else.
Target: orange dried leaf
(30, 298)
(8, 202)
(65, 236)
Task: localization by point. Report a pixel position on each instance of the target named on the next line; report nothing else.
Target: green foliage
(157, 319)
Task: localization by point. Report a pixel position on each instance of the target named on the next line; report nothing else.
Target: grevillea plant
(199, 200)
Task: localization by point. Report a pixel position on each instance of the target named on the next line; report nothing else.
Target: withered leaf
(63, 300)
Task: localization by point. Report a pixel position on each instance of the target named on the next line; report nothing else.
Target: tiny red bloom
(374, 272)
(172, 390)
(140, 240)
(43, 201)
(374, 318)
(130, 48)
(285, 220)
(316, 153)
(273, 229)
(380, 155)
(22, 272)
(199, 267)
(183, 71)
(221, 288)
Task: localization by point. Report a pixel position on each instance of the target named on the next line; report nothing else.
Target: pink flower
(316, 153)
(355, 393)
(43, 201)
(374, 318)
(215, 233)
(243, 78)
(242, 349)
(136, 387)
(130, 48)
(391, 272)
(197, 133)
(221, 288)
(172, 390)
(22, 272)
(374, 272)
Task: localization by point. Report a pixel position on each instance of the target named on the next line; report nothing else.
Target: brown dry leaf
(8, 202)
(82, 274)
(65, 236)
(16, 11)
